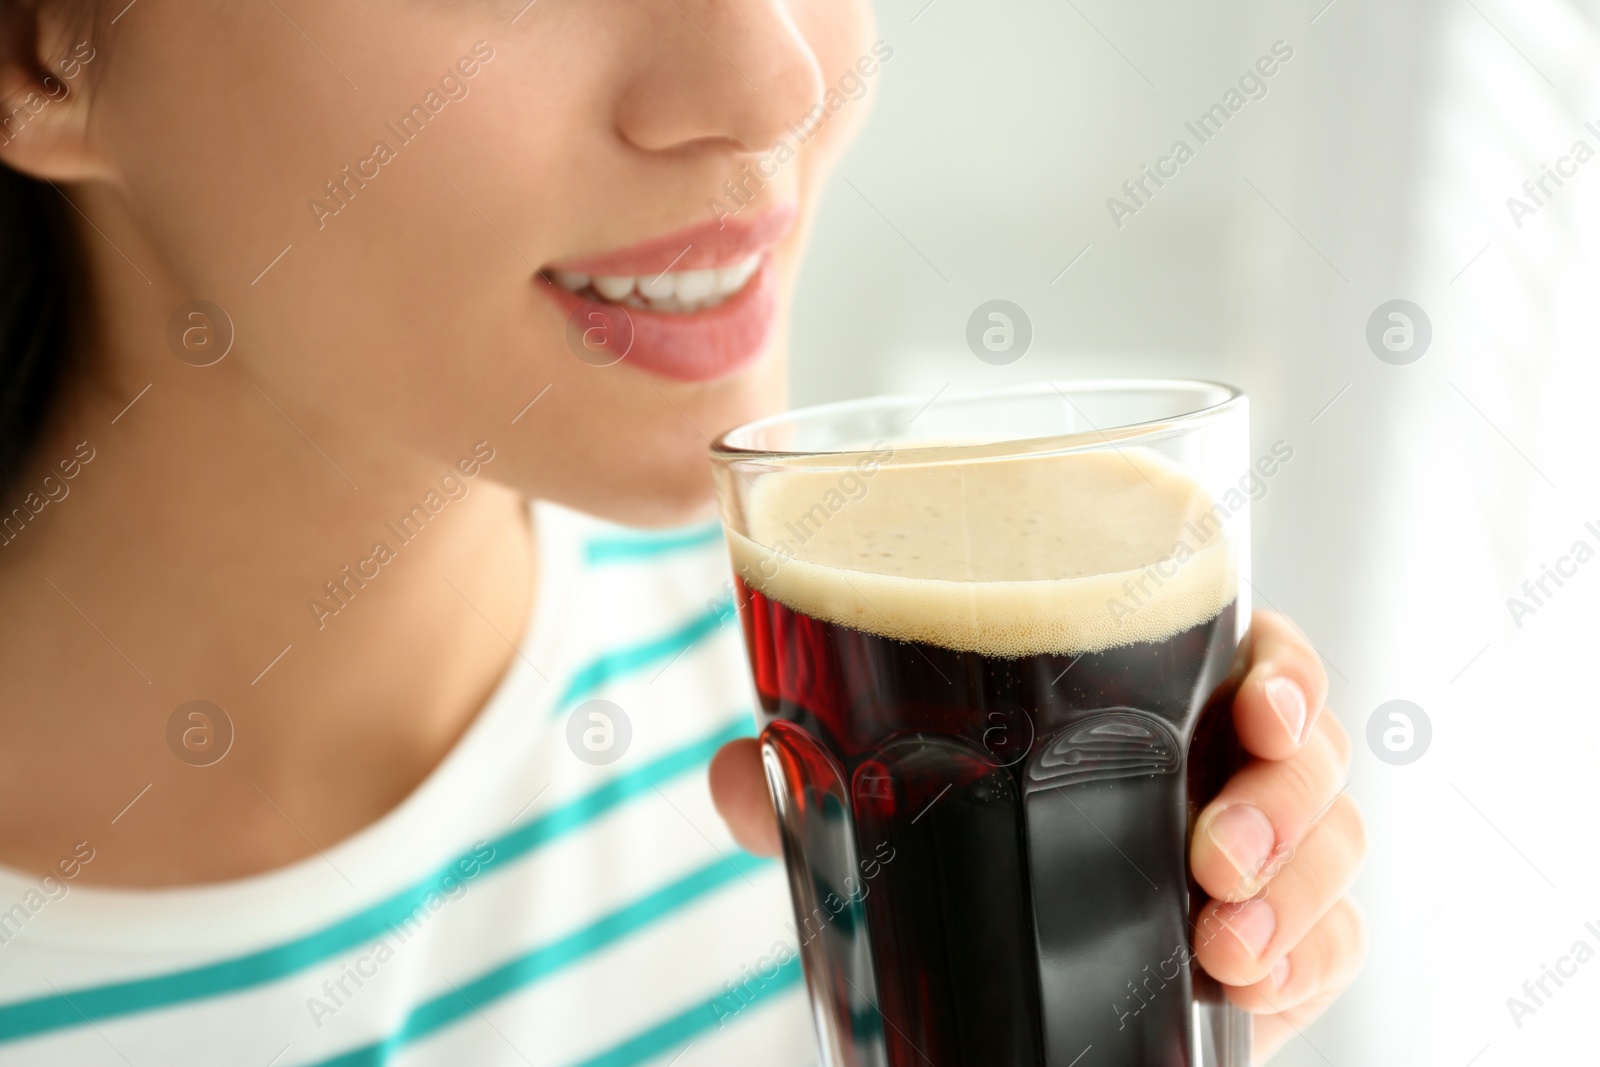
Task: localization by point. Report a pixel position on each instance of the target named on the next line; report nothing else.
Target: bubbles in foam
(1006, 557)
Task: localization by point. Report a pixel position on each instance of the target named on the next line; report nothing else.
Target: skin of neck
(179, 565)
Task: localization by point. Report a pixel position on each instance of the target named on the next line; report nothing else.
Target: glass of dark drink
(993, 637)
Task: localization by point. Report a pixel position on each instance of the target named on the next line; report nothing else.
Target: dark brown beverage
(987, 783)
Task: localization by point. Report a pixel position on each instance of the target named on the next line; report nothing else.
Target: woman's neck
(185, 534)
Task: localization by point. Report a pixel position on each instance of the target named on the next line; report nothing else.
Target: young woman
(290, 770)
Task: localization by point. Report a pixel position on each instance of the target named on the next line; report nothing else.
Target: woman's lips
(687, 347)
(709, 244)
(694, 305)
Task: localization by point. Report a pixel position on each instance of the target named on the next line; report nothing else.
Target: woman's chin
(654, 469)
(659, 508)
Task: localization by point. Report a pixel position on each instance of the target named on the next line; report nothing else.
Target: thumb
(739, 790)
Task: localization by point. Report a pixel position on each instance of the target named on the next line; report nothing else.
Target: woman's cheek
(852, 62)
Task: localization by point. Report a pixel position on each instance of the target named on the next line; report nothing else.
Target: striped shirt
(559, 891)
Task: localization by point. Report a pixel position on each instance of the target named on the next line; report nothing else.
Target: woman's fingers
(739, 790)
(1280, 845)
(1326, 968)
(1265, 811)
(1246, 943)
(1322, 964)
(1272, 1032)
(1241, 944)
(1282, 693)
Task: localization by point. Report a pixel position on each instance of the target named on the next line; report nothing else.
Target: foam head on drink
(986, 687)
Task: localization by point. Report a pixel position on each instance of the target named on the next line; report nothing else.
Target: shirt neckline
(433, 823)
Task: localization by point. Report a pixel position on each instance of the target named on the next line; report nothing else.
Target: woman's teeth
(680, 291)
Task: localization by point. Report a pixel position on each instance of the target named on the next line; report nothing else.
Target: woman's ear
(46, 72)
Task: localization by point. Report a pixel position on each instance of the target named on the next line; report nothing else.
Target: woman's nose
(719, 70)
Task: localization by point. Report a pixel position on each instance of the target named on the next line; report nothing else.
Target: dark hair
(41, 282)
(41, 293)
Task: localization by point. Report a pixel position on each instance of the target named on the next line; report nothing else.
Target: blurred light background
(1421, 496)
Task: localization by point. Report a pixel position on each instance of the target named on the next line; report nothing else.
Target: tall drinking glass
(992, 636)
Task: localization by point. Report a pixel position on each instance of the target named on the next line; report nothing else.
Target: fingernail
(1246, 836)
(1252, 922)
(1280, 974)
(1289, 701)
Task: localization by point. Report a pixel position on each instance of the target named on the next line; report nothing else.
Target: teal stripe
(679, 1030)
(524, 970)
(56, 1011)
(637, 544)
(612, 665)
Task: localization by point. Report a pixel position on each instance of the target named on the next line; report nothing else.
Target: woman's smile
(694, 305)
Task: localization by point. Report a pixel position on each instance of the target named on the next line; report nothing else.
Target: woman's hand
(1279, 846)
(1277, 849)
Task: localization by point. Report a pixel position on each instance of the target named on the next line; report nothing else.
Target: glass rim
(1224, 399)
